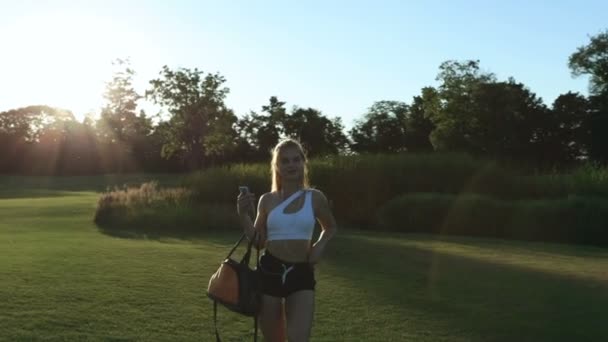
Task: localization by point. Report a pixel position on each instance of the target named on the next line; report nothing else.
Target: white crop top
(291, 226)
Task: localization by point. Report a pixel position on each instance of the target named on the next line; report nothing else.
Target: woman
(286, 219)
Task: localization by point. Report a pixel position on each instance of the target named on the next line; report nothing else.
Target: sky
(336, 56)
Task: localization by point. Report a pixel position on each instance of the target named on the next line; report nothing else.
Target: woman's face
(290, 164)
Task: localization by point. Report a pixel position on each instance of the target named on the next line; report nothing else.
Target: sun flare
(64, 59)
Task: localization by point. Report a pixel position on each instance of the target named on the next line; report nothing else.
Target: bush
(359, 185)
(574, 219)
(151, 209)
(448, 193)
(220, 185)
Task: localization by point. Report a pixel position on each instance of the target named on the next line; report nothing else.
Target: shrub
(150, 208)
(574, 219)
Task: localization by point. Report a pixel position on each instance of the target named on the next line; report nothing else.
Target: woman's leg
(299, 310)
(271, 319)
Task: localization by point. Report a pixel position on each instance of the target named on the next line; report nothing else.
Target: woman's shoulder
(318, 197)
(315, 191)
(267, 196)
(264, 201)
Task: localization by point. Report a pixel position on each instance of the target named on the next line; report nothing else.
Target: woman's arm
(250, 227)
(260, 221)
(328, 225)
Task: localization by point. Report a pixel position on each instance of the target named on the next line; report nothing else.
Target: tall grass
(220, 185)
(148, 208)
(362, 184)
(359, 186)
(574, 219)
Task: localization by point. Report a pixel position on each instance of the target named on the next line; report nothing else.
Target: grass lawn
(61, 279)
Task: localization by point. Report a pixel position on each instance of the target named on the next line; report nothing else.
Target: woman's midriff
(293, 251)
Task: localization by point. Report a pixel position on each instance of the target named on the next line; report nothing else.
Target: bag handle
(247, 255)
(245, 259)
(236, 245)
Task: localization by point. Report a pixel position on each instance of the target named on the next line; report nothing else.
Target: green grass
(62, 278)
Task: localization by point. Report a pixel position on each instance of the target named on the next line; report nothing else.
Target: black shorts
(279, 278)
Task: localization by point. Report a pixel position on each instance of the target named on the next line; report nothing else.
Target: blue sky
(337, 56)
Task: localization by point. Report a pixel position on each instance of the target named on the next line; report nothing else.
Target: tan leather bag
(235, 286)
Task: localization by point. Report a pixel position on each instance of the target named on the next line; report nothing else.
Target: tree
(382, 128)
(65, 148)
(21, 128)
(247, 146)
(453, 117)
(570, 138)
(418, 125)
(25, 123)
(506, 119)
(259, 133)
(119, 121)
(592, 60)
(200, 124)
(123, 133)
(320, 135)
(596, 124)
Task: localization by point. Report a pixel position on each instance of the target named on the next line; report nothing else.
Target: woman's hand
(244, 204)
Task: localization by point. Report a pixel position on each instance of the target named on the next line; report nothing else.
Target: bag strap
(217, 334)
(245, 261)
(255, 328)
(236, 245)
(255, 317)
(247, 255)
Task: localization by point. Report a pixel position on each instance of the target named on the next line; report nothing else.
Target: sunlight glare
(64, 60)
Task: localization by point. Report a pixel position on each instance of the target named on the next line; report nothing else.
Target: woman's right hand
(244, 204)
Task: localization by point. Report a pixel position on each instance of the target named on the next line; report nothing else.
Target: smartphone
(245, 190)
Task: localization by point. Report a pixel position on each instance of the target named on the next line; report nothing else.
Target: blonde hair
(274, 169)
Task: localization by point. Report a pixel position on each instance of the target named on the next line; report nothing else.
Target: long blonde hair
(274, 169)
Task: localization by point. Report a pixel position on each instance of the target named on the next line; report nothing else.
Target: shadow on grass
(476, 299)
(37, 193)
(224, 237)
(47, 186)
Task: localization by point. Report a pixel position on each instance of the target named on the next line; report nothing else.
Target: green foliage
(319, 135)
(574, 219)
(474, 112)
(259, 133)
(418, 125)
(220, 185)
(358, 186)
(25, 124)
(200, 124)
(119, 122)
(148, 208)
(568, 137)
(505, 120)
(382, 128)
(592, 60)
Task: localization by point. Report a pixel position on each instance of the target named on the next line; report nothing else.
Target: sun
(63, 59)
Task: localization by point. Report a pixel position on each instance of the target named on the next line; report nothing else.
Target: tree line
(469, 111)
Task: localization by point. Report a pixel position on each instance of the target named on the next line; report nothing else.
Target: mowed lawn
(62, 279)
